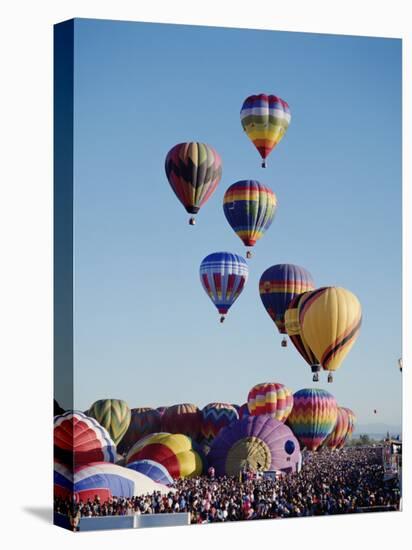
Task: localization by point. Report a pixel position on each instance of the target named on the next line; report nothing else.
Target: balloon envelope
(249, 207)
(79, 439)
(156, 471)
(112, 414)
(330, 320)
(294, 332)
(184, 418)
(313, 416)
(270, 398)
(340, 431)
(265, 119)
(194, 170)
(223, 276)
(143, 421)
(278, 285)
(176, 452)
(256, 443)
(216, 416)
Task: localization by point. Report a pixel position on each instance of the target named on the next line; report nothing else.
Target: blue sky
(145, 331)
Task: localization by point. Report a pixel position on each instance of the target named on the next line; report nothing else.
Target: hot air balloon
(156, 471)
(278, 285)
(270, 398)
(79, 439)
(330, 320)
(193, 170)
(176, 452)
(144, 421)
(112, 414)
(265, 119)
(249, 208)
(223, 276)
(184, 418)
(254, 443)
(90, 480)
(294, 332)
(351, 426)
(243, 411)
(313, 416)
(216, 416)
(340, 431)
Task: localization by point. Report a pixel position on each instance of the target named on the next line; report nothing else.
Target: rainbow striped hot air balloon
(194, 170)
(176, 452)
(330, 320)
(113, 414)
(351, 426)
(223, 276)
(256, 443)
(249, 208)
(270, 398)
(313, 416)
(265, 119)
(216, 416)
(278, 285)
(294, 332)
(79, 439)
(340, 431)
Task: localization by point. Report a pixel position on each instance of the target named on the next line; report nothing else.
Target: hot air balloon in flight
(278, 285)
(223, 276)
(216, 416)
(330, 320)
(249, 208)
(183, 418)
(270, 398)
(112, 414)
(80, 439)
(340, 431)
(294, 332)
(313, 416)
(144, 421)
(255, 443)
(265, 119)
(194, 170)
(176, 452)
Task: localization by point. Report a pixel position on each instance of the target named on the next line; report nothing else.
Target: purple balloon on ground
(255, 443)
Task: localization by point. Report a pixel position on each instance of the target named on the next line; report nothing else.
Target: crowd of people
(340, 482)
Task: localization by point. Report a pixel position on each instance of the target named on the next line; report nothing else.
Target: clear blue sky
(145, 331)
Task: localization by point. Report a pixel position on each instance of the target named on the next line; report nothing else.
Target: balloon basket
(264, 164)
(315, 377)
(222, 319)
(248, 254)
(330, 378)
(192, 221)
(284, 343)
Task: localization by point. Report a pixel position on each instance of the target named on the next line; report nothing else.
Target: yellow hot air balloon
(330, 320)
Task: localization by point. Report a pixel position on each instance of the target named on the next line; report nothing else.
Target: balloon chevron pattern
(112, 414)
(313, 416)
(216, 416)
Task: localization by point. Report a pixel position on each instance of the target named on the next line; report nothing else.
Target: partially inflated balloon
(270, 398)
(294, 332)
(194, 171)
(330, 320)
(313, 416)
(223, 276)
(79, 439)
(176, 452)
(278, 285)
(184, 418)
(256, 443)
(216, 416)
(265, 119)
(156, 471)
(144, 421)
(340, 431)
(249, 208)
(113, 414)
